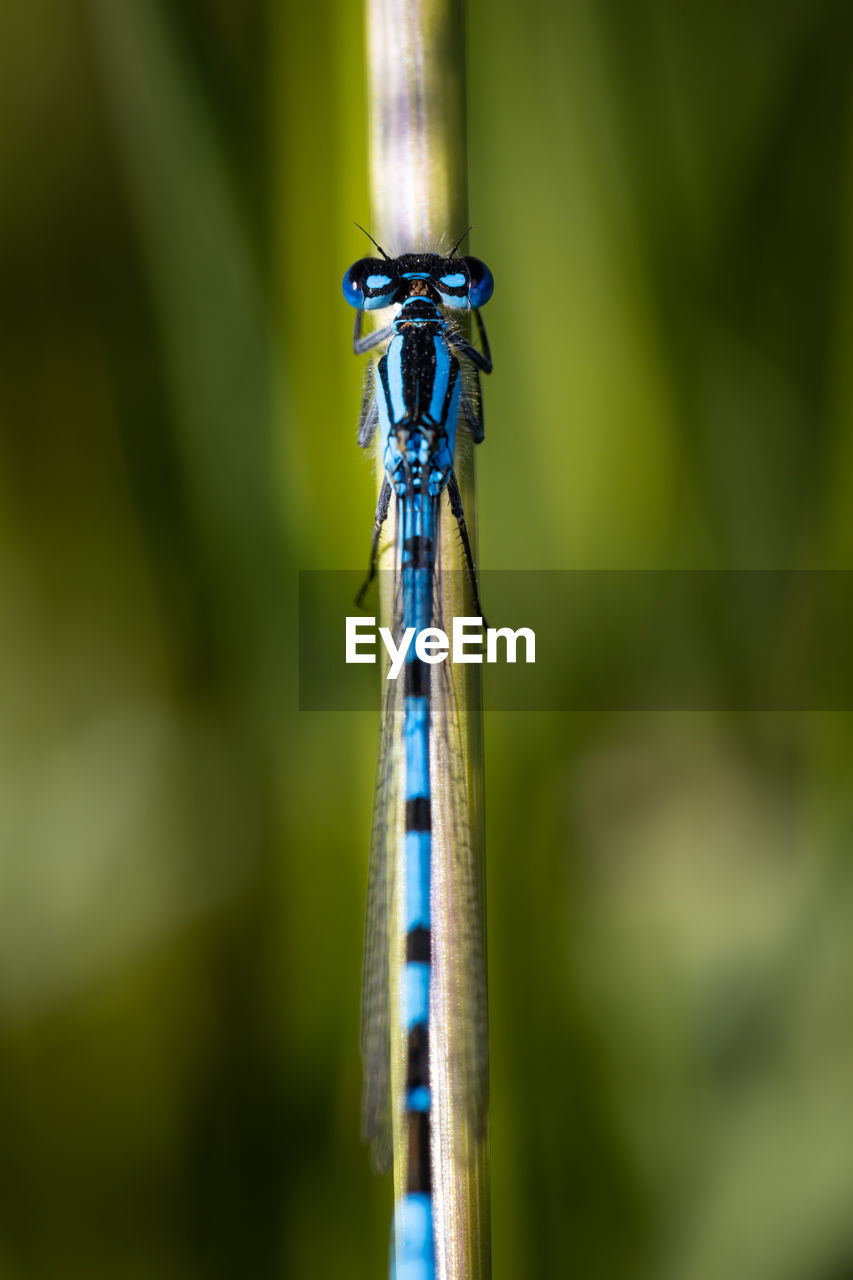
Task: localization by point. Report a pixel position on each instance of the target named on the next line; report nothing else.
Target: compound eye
(452, 287)
(371, 283)
(482, 284)
(353, 284)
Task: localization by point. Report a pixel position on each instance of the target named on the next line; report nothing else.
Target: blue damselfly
(424, 1023)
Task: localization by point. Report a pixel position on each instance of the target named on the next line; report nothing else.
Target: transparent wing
(459, 1072)
(459, 912)
(375, 996)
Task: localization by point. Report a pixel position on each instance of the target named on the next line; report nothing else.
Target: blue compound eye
(379, 290)
(482, 284)
(353, 284)
(370, 283)
(452, 288)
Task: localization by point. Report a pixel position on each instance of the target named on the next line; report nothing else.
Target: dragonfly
(424, 1036)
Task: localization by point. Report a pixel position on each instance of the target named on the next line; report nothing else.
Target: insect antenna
(456, 246)
(385, 255)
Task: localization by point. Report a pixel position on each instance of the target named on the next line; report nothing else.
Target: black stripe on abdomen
(418, 814)
(419, 1171)
(417, 551)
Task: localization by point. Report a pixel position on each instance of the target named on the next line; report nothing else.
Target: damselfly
(424, 1026)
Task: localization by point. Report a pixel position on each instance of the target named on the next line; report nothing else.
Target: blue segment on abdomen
(418, 1098)
(414, 1238)
(417, 601)
(418, 851)
(416, 737)
(415, 994)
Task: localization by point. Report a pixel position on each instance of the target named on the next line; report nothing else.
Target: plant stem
(419, 202)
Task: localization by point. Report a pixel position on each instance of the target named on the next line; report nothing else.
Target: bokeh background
(665, 194)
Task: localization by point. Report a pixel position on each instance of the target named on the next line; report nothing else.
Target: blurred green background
(665, 194)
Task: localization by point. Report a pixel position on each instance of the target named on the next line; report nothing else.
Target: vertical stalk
(419, 201)
(416, 106)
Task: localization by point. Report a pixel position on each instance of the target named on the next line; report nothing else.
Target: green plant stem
(419, 201)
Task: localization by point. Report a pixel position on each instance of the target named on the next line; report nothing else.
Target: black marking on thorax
(418, 364)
